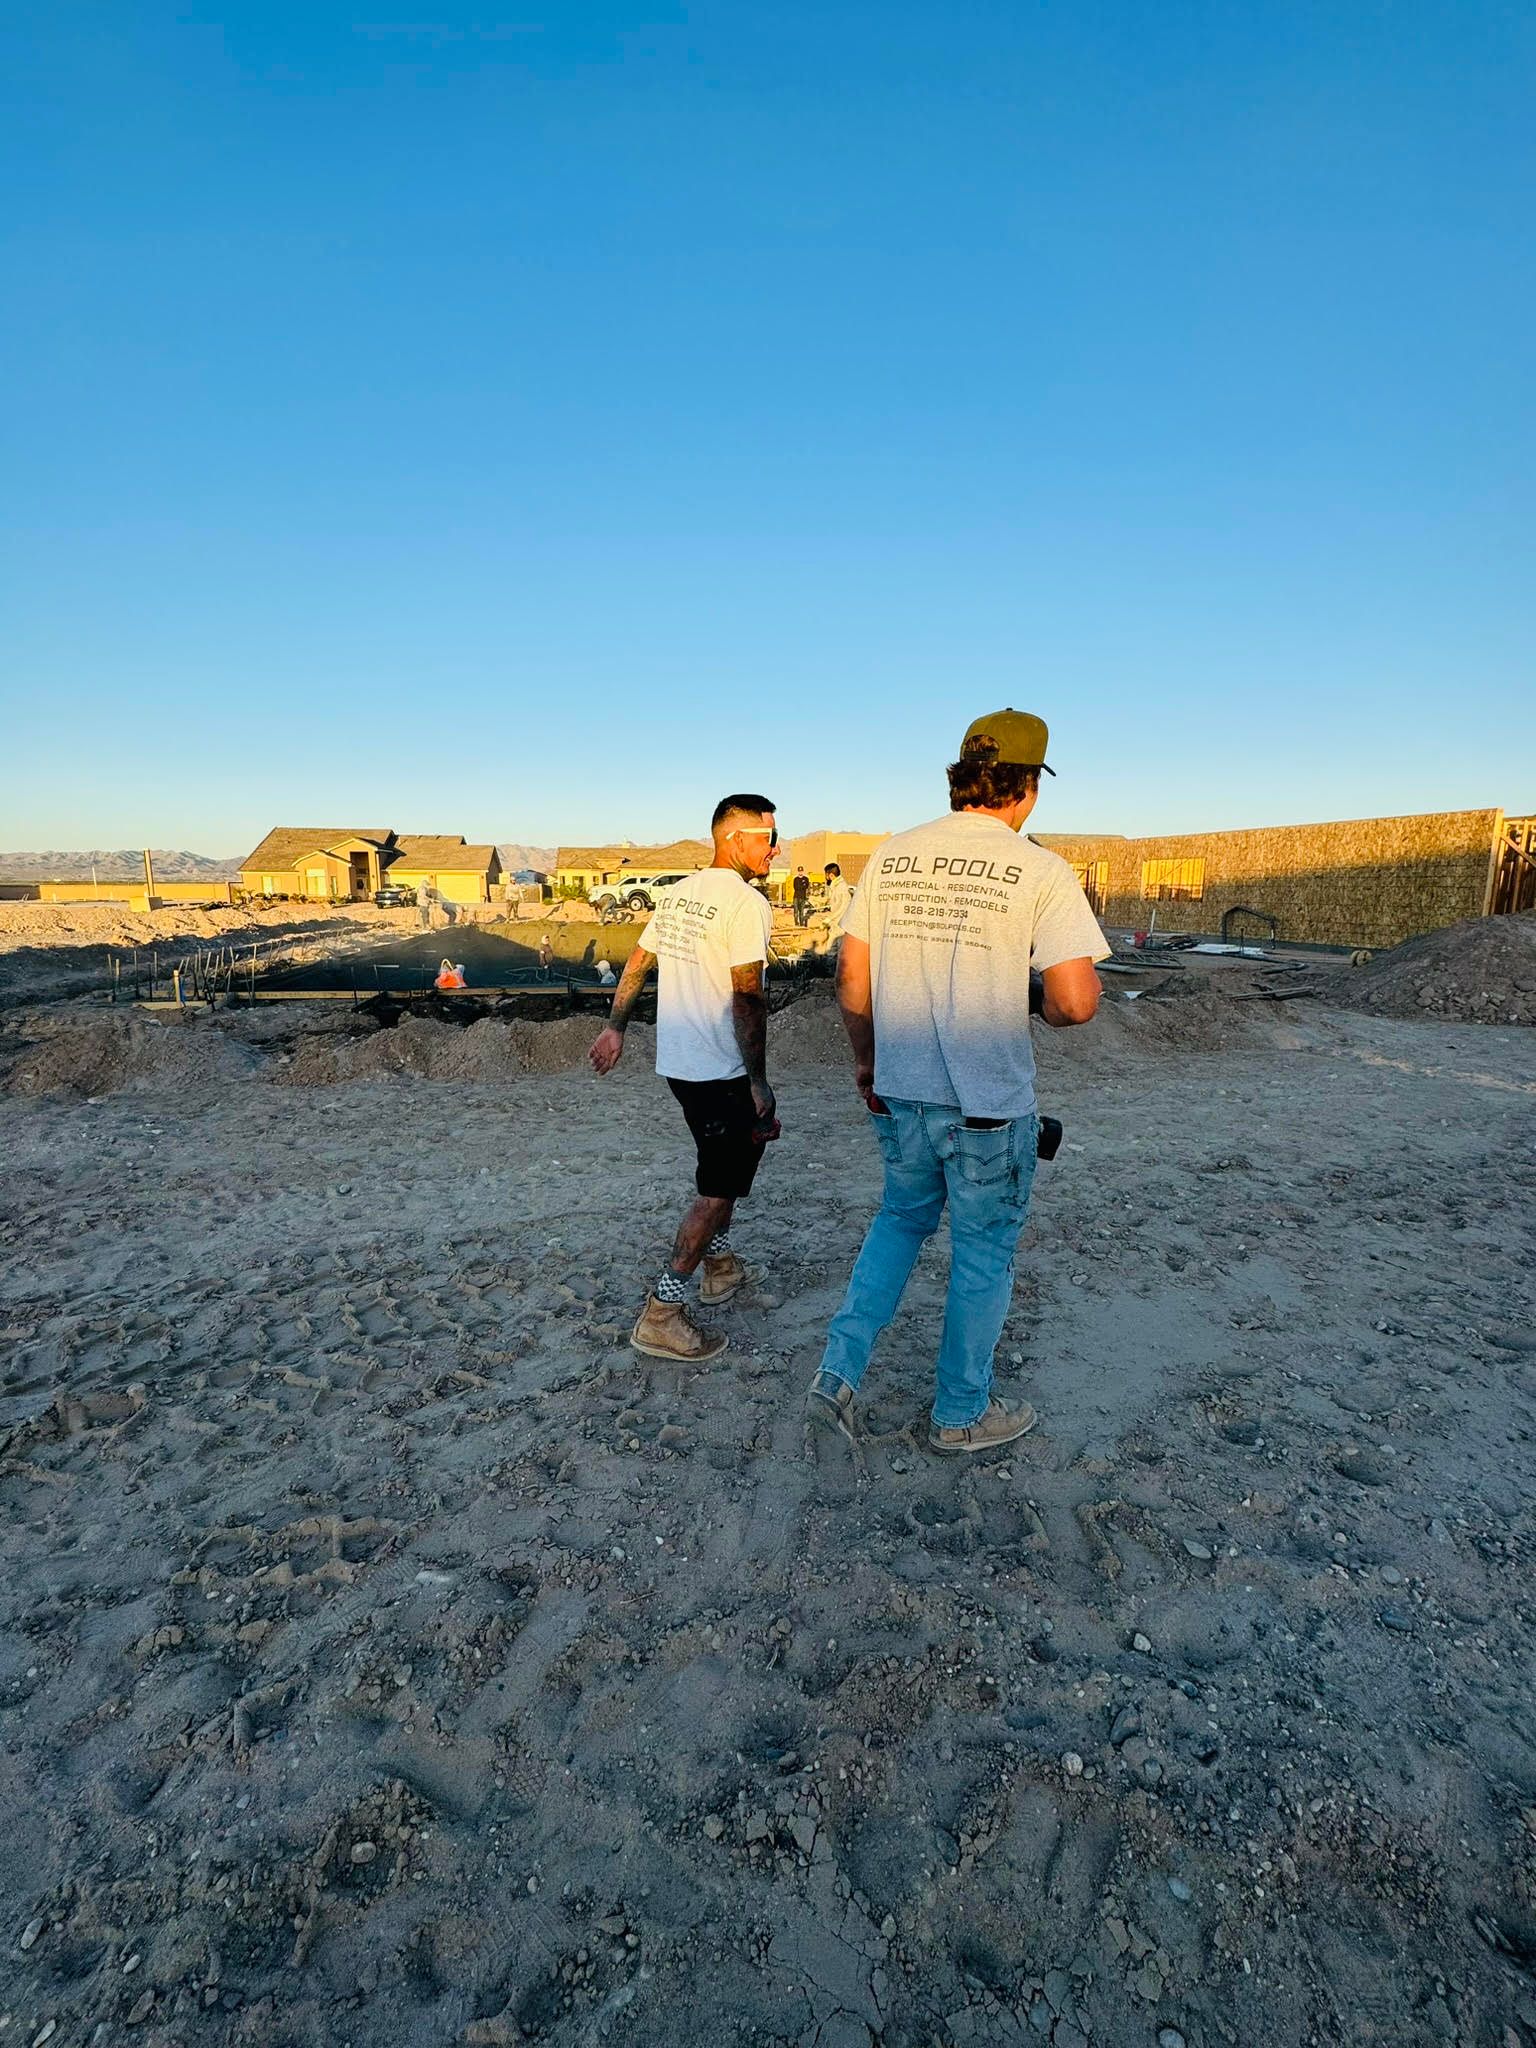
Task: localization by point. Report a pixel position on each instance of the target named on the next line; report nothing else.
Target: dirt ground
(389, 1656)
(55, 949)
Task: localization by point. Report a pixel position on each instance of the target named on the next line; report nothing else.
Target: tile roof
(428, 849)
(686, 854)
(286, 845)
(441, 850)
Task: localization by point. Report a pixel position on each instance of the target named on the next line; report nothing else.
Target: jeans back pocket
(984, 1156)
(887, 1136)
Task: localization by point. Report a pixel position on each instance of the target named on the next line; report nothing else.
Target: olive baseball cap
(1020, 738)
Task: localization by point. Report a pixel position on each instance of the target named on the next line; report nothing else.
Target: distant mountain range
(126, 863)
(115, 864)
(515, 858)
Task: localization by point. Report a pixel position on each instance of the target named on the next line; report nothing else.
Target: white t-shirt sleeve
(647, 938)
(856, 917)
(747, 933)
(1065, 927)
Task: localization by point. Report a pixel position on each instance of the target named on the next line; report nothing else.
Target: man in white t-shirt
(708, 939)
(838, 895)
(959, 929)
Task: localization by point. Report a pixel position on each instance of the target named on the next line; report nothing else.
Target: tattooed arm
(749, 1020)
(609, 1043)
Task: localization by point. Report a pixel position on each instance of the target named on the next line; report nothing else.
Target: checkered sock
(670, 1286)
(719, 1244)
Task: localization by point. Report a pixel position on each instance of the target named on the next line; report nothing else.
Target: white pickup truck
(632, 892)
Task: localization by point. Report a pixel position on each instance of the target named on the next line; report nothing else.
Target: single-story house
(336, 863)
(459, 873)
(347, 863)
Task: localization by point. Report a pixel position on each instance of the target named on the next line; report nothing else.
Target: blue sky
(533, 425)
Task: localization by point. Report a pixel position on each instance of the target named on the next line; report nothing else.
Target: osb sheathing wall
(1365, 882)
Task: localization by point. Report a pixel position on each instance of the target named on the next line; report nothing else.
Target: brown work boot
(666, 1330)
(722, 1275)
(1002, 1422)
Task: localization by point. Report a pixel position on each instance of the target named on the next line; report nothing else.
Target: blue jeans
(932, 1156)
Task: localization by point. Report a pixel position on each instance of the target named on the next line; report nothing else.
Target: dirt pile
(563, 1044)
(96, 1054)
(423, 1046)
(266, 1024)
(490, 1051)
(809, 1031)
(1482, 971)
(1191, 1012)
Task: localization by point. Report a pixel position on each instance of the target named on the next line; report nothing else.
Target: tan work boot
(721, 1276)
(1002, 1422)
(666, 1330)
(829, 1401)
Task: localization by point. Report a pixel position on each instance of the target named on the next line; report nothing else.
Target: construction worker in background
(546, 955)
(839, 896)
(800, 898)
(450, 975)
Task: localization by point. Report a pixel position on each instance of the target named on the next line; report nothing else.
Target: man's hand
(864, 1081)
(767, 1126)
(606, 1048)
(855, 998)
(609, 1043)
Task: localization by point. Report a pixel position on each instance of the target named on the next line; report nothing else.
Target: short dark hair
(742, 804)
(978, 781)
(831, 868)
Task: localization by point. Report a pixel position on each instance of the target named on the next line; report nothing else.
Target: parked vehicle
(634, 892)
(394, 896)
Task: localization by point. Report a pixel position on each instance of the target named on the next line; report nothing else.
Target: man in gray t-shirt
(959, 928)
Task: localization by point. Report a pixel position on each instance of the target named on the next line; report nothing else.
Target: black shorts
(722, 1117)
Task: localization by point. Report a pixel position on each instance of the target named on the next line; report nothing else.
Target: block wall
(134, 894)
(194, 892)
(1364, 882)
